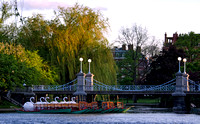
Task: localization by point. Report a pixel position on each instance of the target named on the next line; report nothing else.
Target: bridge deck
(118, 92)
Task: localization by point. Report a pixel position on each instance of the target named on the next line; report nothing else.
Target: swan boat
(71, 107)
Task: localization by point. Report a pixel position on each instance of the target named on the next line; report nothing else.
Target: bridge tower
(89, 83)
(80, 90)
(179, 95)
(89, 78)
(83, 86)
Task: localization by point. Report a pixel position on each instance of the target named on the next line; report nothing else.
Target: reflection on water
(122, 118)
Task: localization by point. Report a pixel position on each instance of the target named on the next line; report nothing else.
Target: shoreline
(139, 109)
(144, 109)
(5, 110)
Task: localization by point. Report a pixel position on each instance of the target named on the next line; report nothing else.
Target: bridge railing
(193, 86)
(146, 88)
(54, 88)
(97, 87)
(70, 86)
(168, 86)
(134, 87)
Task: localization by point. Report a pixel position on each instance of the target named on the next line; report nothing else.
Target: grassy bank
(141, 100)
(5, 104)
(148, 100)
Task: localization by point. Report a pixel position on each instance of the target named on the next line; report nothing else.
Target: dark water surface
(122, 118)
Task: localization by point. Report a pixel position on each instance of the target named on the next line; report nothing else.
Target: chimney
(138, 49)
(130, 47)
(175, 37)
(124, 47)
(165, 37)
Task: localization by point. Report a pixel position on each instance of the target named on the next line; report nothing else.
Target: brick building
(119, 54)
(169, 40)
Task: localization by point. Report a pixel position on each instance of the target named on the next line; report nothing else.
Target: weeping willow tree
(74, 32)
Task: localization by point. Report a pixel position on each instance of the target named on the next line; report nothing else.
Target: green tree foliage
(19, 66)
(193, 69)
(13, 72)
(74, 32)
(125, 72)
(127, 68)
(165, 66)
(190, 44)
(35, 34)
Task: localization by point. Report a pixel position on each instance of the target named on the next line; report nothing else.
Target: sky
(157, 16)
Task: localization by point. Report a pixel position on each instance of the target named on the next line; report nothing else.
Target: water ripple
(123, 118)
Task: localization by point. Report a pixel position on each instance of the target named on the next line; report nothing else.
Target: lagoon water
(121, 118)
